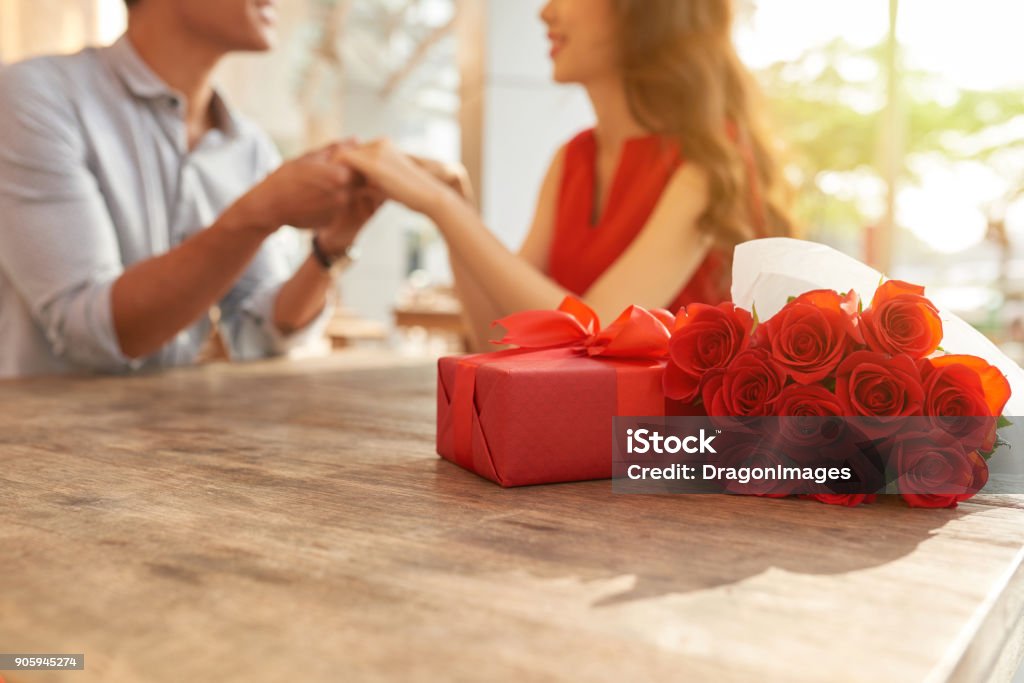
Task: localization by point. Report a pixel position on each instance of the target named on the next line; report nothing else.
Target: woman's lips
(557, 44)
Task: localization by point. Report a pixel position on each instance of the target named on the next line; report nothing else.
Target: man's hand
(363, 203)
(305, 192)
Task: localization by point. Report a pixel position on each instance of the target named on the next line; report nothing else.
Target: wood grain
(290, 522)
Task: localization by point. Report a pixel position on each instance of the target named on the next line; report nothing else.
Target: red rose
(747, 388)
(805, 414)
(878, 388)
(758, 454)
(811, 334)
(705, 338)
(847, 499)
(964, 371)
(901, 320)
(807, 400)
(963, 396)
(937, 473)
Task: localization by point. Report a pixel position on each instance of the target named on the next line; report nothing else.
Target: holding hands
(305, 192)
(335, 190)
(421, 184)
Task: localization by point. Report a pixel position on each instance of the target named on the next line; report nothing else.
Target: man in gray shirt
(133, 199)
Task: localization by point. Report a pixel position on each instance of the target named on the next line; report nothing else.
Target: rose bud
(937, 473)
(811, 334)
(705, 338)
(754, 454)
(901, 320)
(964, 396)
(807, 415)
(880, 390)
(747, 388)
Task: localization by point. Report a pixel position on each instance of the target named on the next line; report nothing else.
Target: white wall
(526, 115)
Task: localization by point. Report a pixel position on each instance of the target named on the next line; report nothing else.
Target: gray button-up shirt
(96, 175)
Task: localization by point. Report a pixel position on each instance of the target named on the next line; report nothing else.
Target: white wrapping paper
(766, 272)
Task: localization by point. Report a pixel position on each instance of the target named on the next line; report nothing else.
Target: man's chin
(254, 47)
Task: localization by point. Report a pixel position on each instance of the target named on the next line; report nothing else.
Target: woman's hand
(454, 176)
(397, 175)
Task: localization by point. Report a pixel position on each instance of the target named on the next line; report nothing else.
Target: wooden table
(290, 522)
(347, 328)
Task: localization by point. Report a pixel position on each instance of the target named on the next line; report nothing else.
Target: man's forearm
(302, 298)
(156, 299)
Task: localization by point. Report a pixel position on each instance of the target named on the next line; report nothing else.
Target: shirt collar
(135, 73)
(224, 116)
(142, 82)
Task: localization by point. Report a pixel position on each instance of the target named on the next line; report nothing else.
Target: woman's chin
(561, 77)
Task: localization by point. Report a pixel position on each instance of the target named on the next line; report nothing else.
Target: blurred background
(902, 123)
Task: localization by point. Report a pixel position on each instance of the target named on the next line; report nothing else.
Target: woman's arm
(479, 310)
(650, 273)
(536, 249)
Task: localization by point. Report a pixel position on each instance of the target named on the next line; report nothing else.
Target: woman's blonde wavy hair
(685, 80)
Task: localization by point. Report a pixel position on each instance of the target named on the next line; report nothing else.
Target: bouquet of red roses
(824, 398)
(933, 415)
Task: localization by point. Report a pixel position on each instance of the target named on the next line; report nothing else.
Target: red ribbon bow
(636, 333)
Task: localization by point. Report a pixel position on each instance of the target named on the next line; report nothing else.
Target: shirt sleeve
(247, 312)
(57, 242)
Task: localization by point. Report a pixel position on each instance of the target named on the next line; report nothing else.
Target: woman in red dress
(642, 209)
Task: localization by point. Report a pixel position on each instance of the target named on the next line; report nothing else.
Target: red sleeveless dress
(582, 251)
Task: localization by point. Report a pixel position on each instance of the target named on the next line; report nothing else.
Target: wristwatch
(336, 262)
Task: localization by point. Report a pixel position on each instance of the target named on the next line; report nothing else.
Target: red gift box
(544, 415)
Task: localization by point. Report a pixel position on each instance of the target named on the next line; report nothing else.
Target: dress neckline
(598, 214)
